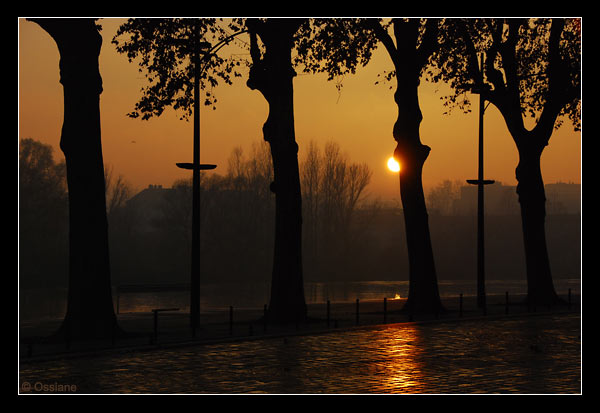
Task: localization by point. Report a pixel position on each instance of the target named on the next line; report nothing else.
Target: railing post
(328, 312)
(156, 326)
(460, 305)
(114, 332)
(569, 298)
(357, 304)
(506, 307)
(68, 334)
(265, 318)
(230, 319)
(384, 310)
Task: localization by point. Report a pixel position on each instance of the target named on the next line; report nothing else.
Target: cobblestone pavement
(530, 354)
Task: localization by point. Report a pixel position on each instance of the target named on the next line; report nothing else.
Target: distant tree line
(236, 213)
(347, 236)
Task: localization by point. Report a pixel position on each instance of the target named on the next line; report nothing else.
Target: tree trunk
(273, 76)
(90, 311)
(530, 189)
(423, 294)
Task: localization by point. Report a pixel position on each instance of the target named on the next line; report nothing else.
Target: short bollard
(506, 304)
(384, 310)
(113, 337)
(265, 318)
(460, 305)
(328, 312)
(156, 311)
(68, 335)
(357, 304)
(230, 319)
(155, 326)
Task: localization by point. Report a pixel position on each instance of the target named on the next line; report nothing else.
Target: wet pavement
(531, 353)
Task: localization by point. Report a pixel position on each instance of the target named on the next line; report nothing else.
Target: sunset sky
(360, 120)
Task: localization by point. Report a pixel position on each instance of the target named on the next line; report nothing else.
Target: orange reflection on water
(402, 350)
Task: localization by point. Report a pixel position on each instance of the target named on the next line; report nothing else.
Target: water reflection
(402, 363)
(37, 304)
(530, 355)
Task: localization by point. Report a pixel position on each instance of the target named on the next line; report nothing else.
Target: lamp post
(480, 88)
(196, 167)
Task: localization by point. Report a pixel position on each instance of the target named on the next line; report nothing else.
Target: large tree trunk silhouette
(530, 144)
(272, 75)
(90, 311)
(423, 294)
(532, 198)
(409, 58)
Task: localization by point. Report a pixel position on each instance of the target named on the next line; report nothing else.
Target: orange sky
(360, 120)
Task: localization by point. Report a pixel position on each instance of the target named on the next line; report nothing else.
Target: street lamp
(480, 88)
(196, 167)
(207, 50)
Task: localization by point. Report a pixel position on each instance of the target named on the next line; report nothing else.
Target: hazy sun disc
(393, 165)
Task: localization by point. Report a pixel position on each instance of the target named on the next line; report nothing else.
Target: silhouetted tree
(121, 223)
(165, 49)
(117, 191)
(272, 74)
(237, 215)
(531, 68)
(331, 190)
(170, 50)
(43, 216)
(164, 45)
(338, 46)
(441, 197)
(89, 308)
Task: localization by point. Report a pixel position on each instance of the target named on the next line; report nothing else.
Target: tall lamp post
(205, 49)
(480, 89)
(196, 167)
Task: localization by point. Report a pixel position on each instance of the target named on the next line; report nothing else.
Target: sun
(393, 165)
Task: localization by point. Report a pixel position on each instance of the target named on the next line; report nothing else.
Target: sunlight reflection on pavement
(522, 355)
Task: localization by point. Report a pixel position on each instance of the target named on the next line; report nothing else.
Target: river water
(52, 304)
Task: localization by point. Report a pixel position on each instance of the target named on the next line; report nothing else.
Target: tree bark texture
(272, 74)
(90, 311)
